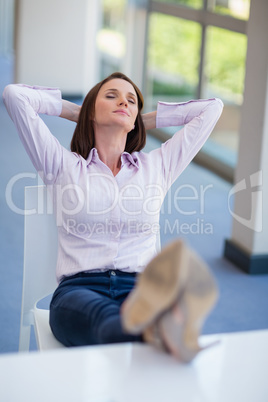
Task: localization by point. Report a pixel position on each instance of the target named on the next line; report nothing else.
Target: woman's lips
(122, 111)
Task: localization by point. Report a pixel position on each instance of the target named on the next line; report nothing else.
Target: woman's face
(116, 105)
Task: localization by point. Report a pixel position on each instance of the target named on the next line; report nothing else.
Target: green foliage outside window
(174, 51)
(226, 54)
(188, 3)
(174, 48)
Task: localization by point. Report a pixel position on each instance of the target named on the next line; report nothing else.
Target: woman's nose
(123, 101)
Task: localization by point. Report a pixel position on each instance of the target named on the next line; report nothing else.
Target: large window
(224, 74)
(194, 49)
(197, 49)
(173, 58)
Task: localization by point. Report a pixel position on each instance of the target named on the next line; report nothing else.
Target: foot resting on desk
(171, 300)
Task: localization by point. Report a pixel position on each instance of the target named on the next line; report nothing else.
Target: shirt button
(113, 273)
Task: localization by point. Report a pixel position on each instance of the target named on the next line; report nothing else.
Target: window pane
(188, 3)
(235, 8)
(173, 59)
(111, 38)
(224, 78)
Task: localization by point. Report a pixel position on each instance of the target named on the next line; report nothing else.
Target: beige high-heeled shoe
(180, 326)
(157, 288)
(171, 300)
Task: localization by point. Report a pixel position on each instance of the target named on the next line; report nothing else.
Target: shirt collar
(93, 154)
(131, 158)
(125, 157)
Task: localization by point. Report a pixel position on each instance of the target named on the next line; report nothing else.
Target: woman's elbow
(9, 93)
(219, 105)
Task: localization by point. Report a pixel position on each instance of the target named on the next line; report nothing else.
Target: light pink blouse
(106, 222)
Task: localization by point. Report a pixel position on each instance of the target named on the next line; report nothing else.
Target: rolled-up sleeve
(24, 104)
(196, 120)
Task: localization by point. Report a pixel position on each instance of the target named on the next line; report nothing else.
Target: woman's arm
(149, 120)
(198, 118)
(24, 104)
(70, 111)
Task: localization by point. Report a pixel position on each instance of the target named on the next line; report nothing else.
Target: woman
(107, 197)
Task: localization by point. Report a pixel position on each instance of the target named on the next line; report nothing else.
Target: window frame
(205, 18)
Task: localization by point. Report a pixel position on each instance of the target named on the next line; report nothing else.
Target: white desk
(235, 370)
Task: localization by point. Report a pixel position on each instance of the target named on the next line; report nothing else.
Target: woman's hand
(149, 120)
(70, 111)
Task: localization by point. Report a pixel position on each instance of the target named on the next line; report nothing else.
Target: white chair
(39, 277)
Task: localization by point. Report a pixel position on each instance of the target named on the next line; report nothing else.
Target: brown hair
(84, 138)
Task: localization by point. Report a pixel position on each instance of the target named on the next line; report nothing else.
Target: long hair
(84, 137)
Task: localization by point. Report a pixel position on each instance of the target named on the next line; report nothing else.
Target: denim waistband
(105, 274)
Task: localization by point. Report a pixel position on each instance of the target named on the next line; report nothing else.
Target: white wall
(56, 44)
(250, 225)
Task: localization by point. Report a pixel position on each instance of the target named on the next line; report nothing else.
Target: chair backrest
(40, 255)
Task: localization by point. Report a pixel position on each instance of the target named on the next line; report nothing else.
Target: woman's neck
(110, 148)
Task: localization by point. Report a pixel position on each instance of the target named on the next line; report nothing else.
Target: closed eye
(113, 93)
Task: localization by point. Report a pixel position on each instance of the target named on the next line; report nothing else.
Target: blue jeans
(85, 308)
